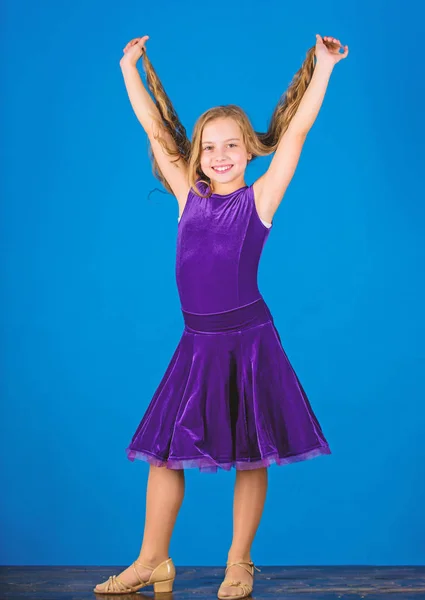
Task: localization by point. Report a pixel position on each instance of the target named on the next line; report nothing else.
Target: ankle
(238, 557)
(152, 560)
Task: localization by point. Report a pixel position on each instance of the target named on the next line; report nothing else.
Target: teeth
(222, 169)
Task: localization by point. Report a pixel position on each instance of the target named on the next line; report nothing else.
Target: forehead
(220, 129)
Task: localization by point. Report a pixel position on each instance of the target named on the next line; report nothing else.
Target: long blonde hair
(256, 143)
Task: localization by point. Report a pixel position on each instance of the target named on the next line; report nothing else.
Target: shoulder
(201, 186)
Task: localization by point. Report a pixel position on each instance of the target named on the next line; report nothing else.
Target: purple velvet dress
(229, 396)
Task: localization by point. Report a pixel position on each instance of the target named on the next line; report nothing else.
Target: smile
(223, 169)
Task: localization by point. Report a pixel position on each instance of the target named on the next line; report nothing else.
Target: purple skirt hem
(209, 465)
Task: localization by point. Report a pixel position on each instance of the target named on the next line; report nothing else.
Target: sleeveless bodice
(219, 245)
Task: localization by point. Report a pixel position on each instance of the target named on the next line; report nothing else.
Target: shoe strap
(116, 585)
(241, 564)
(142, 565)
(247, 589)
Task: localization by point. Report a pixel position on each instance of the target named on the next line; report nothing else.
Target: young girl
(229, 396)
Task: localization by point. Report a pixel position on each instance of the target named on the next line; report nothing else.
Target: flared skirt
(228, 398)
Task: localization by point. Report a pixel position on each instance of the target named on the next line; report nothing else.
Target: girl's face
(223, 153)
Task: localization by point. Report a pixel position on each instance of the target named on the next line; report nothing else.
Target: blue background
(90, 314)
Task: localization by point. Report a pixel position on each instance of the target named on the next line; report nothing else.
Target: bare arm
(140, 99)
(270, 188)
(175, 172)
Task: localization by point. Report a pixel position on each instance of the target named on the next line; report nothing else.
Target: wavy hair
(256, 143)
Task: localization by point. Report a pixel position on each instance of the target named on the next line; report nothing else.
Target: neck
(227, 188)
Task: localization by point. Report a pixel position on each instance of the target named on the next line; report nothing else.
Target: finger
(131, 43)
(142, 42)
(344, 55)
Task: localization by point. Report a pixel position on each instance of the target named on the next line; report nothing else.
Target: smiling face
(223, 154)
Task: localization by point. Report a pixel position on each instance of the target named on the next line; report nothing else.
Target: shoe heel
(163, 586)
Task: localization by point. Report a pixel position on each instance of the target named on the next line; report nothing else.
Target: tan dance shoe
(245, 587)
(162, 579)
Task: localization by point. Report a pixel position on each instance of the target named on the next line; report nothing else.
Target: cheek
(239, 158)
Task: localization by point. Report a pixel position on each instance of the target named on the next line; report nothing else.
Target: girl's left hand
(329, 52)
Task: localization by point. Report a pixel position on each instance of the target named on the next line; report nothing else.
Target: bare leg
(164, 497)
(249, 498)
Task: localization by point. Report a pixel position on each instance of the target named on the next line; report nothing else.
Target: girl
(229, 396)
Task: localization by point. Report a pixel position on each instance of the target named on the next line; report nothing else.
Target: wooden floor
(292, 583)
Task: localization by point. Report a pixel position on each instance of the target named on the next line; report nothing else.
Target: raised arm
(270, 188)
(173, 167)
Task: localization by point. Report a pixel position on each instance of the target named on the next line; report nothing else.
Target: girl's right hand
(134, 50)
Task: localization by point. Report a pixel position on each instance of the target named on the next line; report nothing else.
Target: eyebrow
(228, 140)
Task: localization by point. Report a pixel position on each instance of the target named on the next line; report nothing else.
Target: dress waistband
(243, 317)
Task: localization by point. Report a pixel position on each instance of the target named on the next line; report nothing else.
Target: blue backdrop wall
(90, 314)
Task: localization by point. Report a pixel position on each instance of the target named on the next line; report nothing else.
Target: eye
(232, 144)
